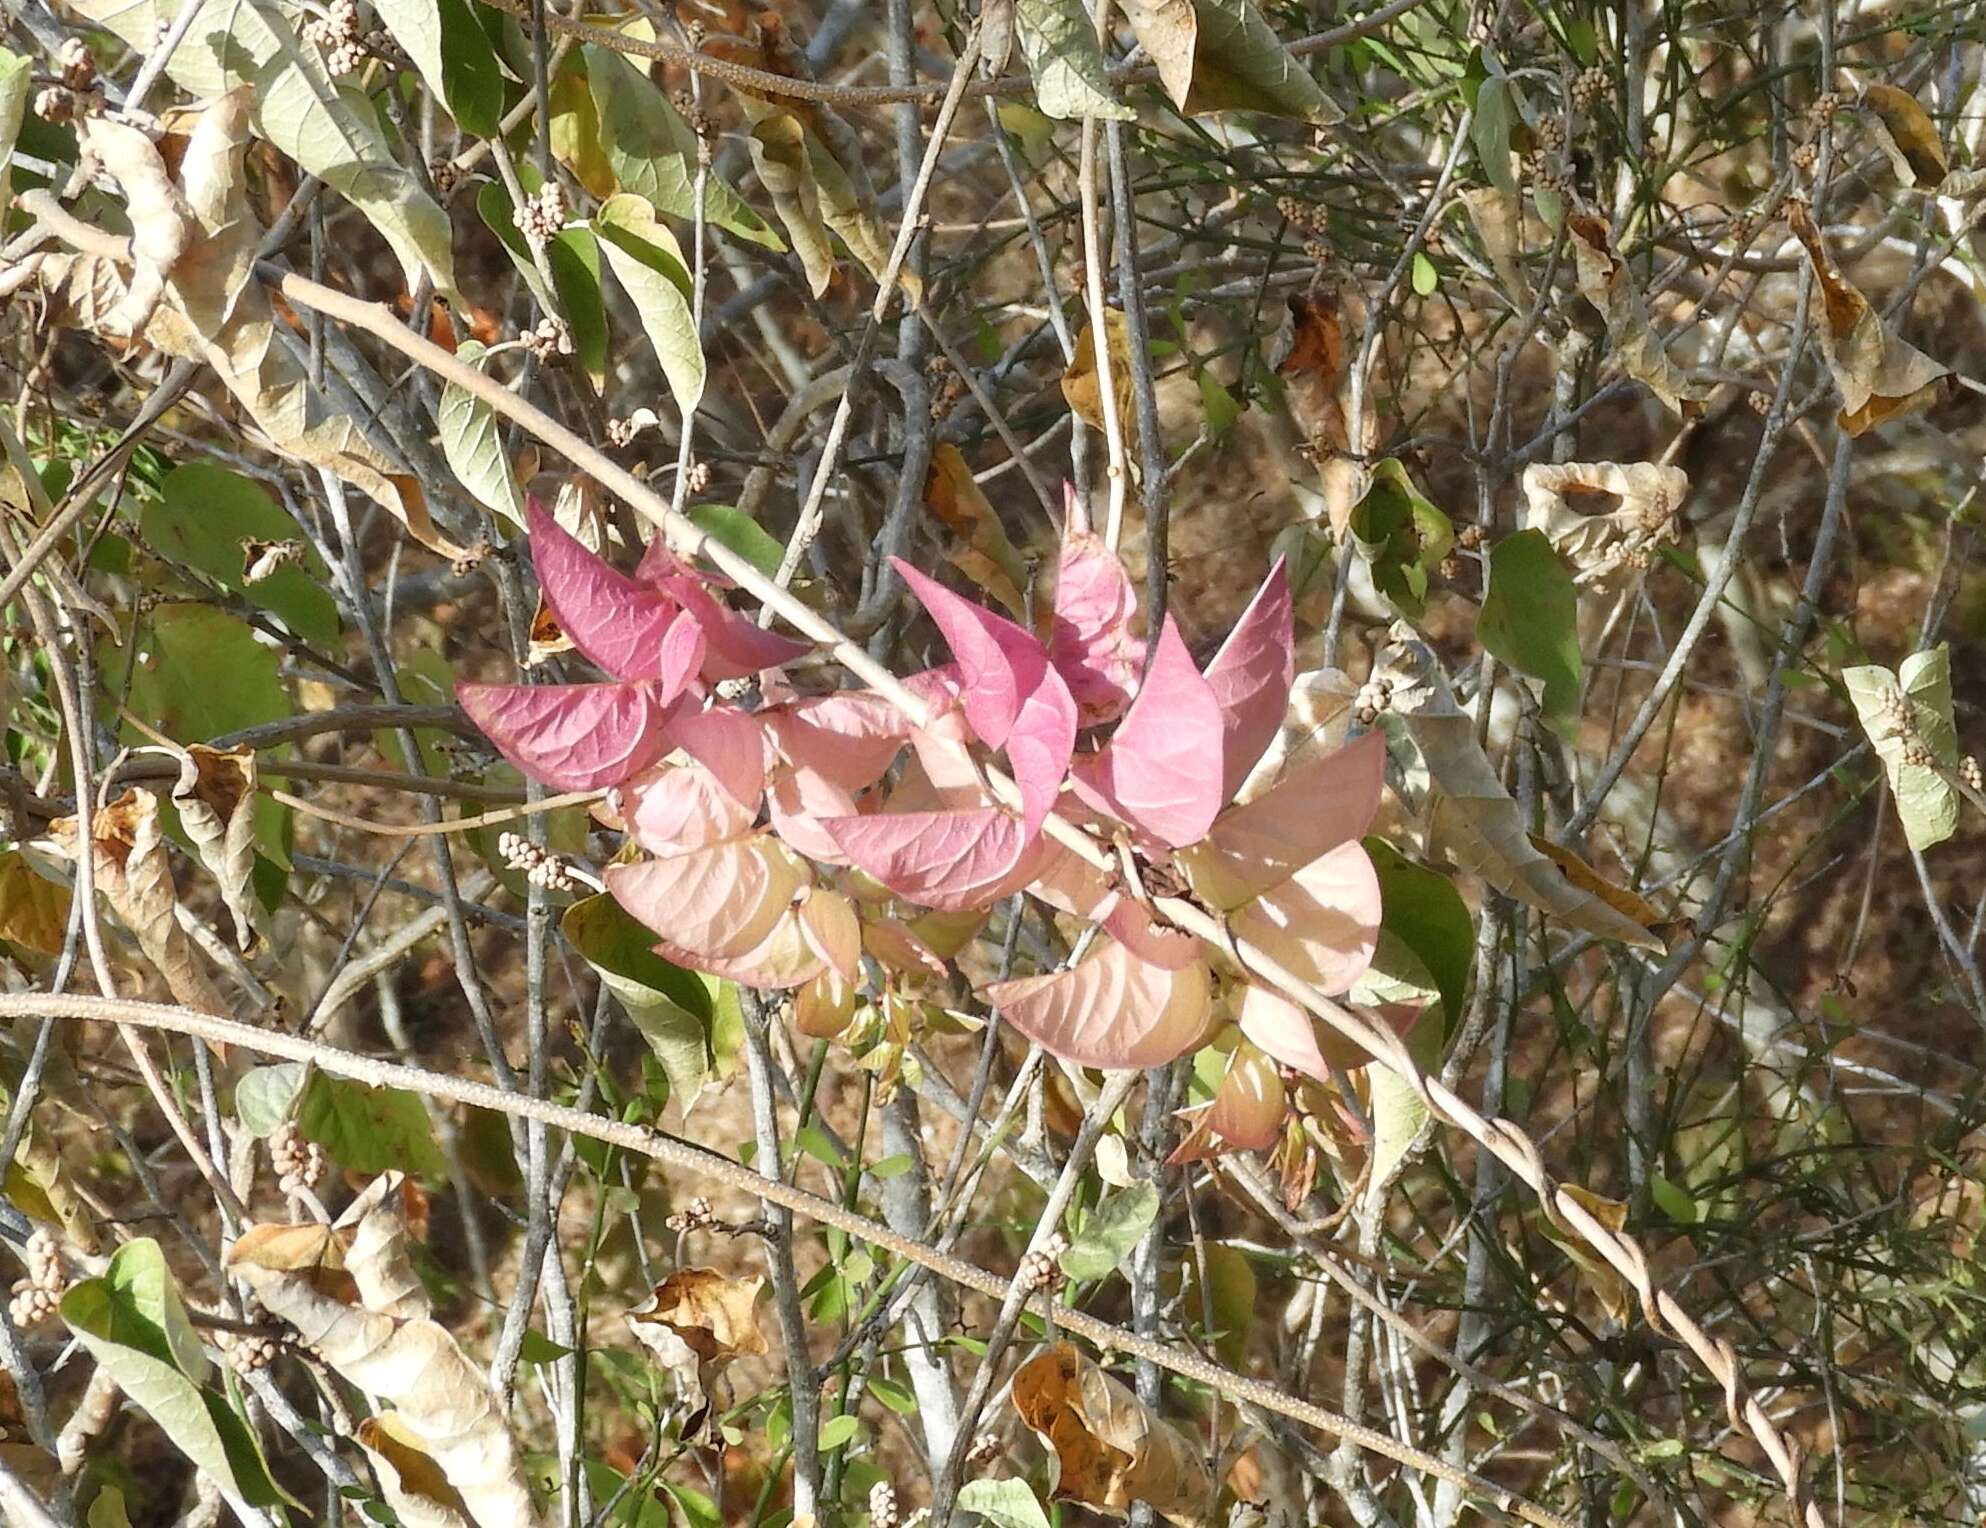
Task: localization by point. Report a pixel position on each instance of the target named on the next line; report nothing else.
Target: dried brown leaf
(1470, 815)
(1582, 875)
(216, 801)
(134, 872)
(987, 556)
(1110, 1449)
(1615, 1296)
(1905, 132)
(34, 911)
(1607, 283)
(1313, 356)
(1599, 515)
(442, 1403)
(710, 1311)
(1879, 376)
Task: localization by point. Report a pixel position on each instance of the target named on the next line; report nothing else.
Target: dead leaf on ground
(1878, 375)
(1606, 282)
(1110, 1449)
(1602, 517)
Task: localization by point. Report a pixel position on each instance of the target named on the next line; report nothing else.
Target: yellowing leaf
(473, 443)
(1903, 713)
(1879, 376)
(987, 557)
(1109, 1450)
(415, 1485)
(1905, 132)
(649, 265)
(34, 911)
(1582, 875)
(1083, 390)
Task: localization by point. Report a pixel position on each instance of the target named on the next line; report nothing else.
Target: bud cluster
(299, 1164)
(36, 1297)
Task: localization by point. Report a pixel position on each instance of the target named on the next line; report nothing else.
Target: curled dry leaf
(1082, 388)
(209, 310)
(440, 1404)
(810, 162)
(695, 1322)
(1905, 132)
(984, 553)
(134, 872)
(1615, 1296)
(1607, 283)
(1498, 217)
(1628, 508)
(1313, 355)
(1109, 1448)
(1879, 376)
(1468, 812)
(412, 1480)
(216, 801)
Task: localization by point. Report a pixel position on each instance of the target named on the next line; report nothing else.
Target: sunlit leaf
(472, 441)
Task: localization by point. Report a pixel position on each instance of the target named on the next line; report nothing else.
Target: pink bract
(576, 737)
(1162, 770)
(617, 622)
(1251, 677)
(1111, 1010)
(1089, 635)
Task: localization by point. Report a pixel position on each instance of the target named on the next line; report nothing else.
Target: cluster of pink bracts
(752, 818)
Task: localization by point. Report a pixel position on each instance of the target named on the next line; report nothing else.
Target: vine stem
(1508, 1141)
(672, 1151)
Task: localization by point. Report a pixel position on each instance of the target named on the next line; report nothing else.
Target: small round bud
(697, 479)
(548, 340)
(1970, 772)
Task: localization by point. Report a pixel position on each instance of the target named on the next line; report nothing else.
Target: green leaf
(454, 56)
(1217, 403)
(1232, 1293)
(369, 1129)
(837, 1432)
(1402, 536)
(900, 1400)
(1071, 79)
(264, 1097)
(200, 673)
(574, 256)
(472, 441)
(652, 152)
(1110, 1232)
(1398, 1114)
(296, 105)
(674, 1009)
(649, 265)
(1422, 908)
(1489, 131)
(134, 1324)
(1913, 707)
(1221, 55)
(1673, 1200)
(16, 82)
(1426, 278)
(201, 518)
(740, 533)
(1530, 620)
(1003, 1503)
